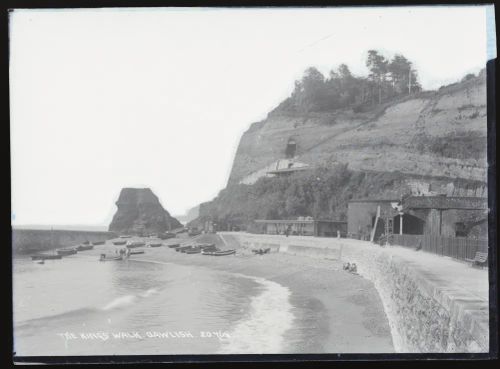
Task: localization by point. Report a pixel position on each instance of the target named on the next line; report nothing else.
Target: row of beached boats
(202, 248)
(135, 244)
(197, 248)
(161, 236)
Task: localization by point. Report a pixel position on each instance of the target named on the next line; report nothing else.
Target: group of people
(350, 267)
(124, 252)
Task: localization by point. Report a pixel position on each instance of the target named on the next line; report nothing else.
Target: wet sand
(351, 316)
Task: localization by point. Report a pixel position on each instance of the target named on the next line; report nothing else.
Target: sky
(103, 99)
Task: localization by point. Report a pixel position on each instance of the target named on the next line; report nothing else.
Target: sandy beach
(349, 317)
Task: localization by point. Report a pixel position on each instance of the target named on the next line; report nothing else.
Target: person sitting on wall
(347, 266)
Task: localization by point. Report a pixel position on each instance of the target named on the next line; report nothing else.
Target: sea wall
(425, 314)
(323, 248)
(35, 240)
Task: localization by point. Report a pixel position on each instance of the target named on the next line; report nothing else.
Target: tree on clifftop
(310, 91)
(404, 78)
(387, 80)
(378, 70)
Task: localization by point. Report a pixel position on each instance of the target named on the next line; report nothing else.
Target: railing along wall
(455, 247)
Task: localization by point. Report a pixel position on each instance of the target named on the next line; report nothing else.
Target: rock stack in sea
(140, 212)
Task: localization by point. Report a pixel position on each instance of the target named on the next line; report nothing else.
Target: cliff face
(441, 133)
(139, 211)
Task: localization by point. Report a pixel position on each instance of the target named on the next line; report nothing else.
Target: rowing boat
(84, 247)
(219, 253)
(66, 252)
(174, 245)
(136, 252)
(117, 243)
(208, 246)
(98, 243)
(190, 248)
(110, 258)
(180, 248)
(155, 244)
(131, 245)
(261, 251)
(195, 250)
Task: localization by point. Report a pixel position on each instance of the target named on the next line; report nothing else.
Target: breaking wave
(262, 330)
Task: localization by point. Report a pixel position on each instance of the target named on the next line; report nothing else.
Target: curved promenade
(434, 304)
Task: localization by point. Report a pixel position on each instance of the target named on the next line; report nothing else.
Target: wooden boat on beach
(261, 251)
(166, 235)
(190, 249)
(40, 261)
(46, 257)
(134, 244)
(156, 244)
(98, 243)
(66, 252)
(86, 243)
(118, 243)
(180, 248)
(219, 252)
(136, 252)
(194, 250)
(125, 236)
(173, 245)
(84, 247)
(208, 246)
(103, 257)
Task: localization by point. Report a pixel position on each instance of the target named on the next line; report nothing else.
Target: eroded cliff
(436, 133)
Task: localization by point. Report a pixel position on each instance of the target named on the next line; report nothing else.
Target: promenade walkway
(449, 273)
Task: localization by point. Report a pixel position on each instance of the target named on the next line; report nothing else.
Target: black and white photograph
(229, 181)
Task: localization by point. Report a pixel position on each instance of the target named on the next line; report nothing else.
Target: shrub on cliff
(388, 79)
(322, 192)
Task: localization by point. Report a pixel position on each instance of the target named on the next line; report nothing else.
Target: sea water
(79, 306)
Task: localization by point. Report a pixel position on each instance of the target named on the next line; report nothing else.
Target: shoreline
(344, 311)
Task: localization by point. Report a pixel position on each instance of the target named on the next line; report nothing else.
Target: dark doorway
(291, 147)
(460, 230)
(411, 224)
